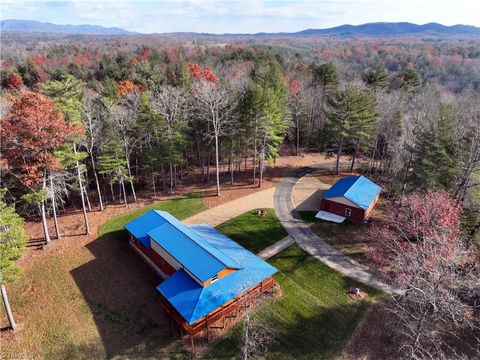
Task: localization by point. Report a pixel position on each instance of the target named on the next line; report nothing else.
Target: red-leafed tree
(201, 73)
(30, 134)
(14, 81)
(421, 250)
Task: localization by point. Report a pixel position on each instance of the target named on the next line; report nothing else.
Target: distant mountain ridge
(378, 29)
(393, 29)
(42, 27)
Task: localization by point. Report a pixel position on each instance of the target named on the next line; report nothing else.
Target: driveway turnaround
(314, 245)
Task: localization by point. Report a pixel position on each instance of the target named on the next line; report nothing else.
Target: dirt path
(224, 212)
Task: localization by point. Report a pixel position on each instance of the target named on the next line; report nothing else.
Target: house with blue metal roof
(351, 197)
(205, 272)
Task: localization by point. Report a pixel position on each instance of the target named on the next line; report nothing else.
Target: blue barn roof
(193, 301)
(192, 251)
(358, 189)
(143, 224)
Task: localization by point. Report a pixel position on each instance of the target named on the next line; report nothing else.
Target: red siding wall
(339, 209)
(153, 255)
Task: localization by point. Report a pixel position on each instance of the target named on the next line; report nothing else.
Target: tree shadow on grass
(119, 288)
(322, 335)
(314, 323)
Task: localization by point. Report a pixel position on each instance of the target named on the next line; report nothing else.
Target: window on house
(348, 212)
(214, 278)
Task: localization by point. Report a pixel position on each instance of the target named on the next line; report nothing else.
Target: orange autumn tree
(125, 87)
(201, 73)
(30, 134)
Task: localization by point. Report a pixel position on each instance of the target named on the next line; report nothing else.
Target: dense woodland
(94, 120)
(141, 116)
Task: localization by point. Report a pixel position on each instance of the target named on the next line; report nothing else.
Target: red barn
(352, 197)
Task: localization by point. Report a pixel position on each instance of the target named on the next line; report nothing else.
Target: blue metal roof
(192, 300)
(192, 251)
(143, 224)
(358, 189)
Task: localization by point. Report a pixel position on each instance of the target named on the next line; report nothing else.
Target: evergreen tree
(376, 78)
(409, 80)
(434, 162)
(113, 165)
(350, 112)
(12, 245)
(326, 76)
(273, 116)
(363, 125)
(67, 94)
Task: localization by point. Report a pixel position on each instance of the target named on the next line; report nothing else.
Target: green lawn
(314, 316)
(181, 207)
(253, 232)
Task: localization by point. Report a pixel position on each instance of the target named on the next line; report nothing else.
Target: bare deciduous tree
(171, 104)
(124, 118)
(420, 248)
(93, 132)
(215, 105)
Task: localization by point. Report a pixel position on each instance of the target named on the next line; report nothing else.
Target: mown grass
(348, 237)
(95, 301)
(314, 317)
(253, 232)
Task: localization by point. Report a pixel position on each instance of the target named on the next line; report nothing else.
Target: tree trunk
(339, 152)
(171, 176)
(163, 179)
(88, 199)
(297, 135)
(113, 193)
(405, 178)
(153, 184)
(124, 193)
(175, 176)
(80, 183)
(217, 170)
(232, 164)
(44, 218)
(8, 309)
(255, 150)
(54, 209)
(208, 164)
(129, 171)
(354, 155)
(262, 159)
(97, 182)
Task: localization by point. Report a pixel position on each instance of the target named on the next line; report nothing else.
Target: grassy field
(253, 232)
(93, 301)
(315, 316)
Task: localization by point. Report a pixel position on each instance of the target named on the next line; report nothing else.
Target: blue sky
(247, 16)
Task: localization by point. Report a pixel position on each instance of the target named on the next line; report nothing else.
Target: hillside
(380, 29)
(393, 29)
(41, 27)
